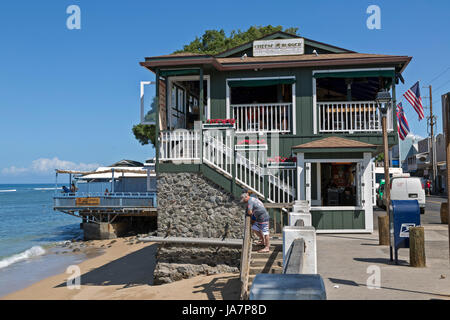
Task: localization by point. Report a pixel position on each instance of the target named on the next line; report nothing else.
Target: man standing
(255, 208)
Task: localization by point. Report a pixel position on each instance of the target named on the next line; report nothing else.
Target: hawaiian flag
(413, 97)
(402, 123)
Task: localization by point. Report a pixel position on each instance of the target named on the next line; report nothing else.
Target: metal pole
(446, 125)
(387, 182)
(200, 99)
(433, 171)
(112, 180)
(157, 121)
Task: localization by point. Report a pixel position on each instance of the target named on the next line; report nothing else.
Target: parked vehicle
(404, 187)
(380, 191)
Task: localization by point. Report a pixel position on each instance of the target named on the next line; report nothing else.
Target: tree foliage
(215, 41)
(145, 133)
(211, 42)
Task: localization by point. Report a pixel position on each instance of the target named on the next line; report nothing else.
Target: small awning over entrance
(335, 143)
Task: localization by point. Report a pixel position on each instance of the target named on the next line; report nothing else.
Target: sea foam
(25, 255)
(12, 190)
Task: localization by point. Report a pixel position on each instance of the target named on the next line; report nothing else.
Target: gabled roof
(334, 142)
(281, 35)
(329, 56)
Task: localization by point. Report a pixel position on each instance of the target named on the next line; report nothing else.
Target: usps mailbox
(403, 215)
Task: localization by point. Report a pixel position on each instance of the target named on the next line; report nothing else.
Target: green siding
(338, 219)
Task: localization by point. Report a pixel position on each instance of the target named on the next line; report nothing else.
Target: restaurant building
(297, 120)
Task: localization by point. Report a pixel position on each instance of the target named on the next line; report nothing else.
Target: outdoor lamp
(383, 99)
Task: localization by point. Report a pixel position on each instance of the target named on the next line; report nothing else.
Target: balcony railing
(180, 145)
(263, 117)
(355, 116)
(101, 200)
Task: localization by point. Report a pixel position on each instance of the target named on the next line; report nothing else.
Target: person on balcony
(260, 218)
(73, 188)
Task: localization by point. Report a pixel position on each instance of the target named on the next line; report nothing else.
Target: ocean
(30, 231)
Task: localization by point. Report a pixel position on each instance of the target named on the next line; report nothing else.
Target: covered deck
(121, 191)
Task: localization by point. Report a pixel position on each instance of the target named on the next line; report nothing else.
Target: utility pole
(431, 147)
(446, 127)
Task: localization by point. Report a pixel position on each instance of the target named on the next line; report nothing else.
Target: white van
(404, 187)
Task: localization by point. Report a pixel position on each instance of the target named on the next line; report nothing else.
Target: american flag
(402, 123)
(413, 97)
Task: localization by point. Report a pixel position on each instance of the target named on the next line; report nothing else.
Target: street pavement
(351, 264)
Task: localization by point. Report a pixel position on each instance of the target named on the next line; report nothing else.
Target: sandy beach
(125, 271)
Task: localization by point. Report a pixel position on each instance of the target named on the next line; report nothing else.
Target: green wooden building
(302, 122)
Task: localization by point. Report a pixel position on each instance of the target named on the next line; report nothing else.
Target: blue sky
(70, 97)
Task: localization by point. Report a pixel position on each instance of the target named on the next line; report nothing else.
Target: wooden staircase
(268, 262)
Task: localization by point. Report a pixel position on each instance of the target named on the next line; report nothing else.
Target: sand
(125, 271)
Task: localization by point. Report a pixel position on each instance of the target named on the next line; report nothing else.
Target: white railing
(218, 152)
(180, 145)
(355, 116)
(282, 185)
(262, 117)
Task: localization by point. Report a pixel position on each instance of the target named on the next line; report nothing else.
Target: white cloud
(14, 170)
(45, 165)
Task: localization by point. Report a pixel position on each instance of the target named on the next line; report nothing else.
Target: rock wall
(177, 262)
(189, 205)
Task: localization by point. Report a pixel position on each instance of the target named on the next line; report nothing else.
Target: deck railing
(355, 116)
(110, 200)
(180, 145)
(262, 117)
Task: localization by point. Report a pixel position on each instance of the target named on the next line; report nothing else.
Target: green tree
(145, 133)
(211, 42)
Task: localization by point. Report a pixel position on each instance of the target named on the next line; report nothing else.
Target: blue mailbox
(403, 215)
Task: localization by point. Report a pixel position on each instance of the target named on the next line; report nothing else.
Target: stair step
(267, 255)
(273, 269)
(264, 262)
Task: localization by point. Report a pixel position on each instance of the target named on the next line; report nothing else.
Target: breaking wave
(25, 255)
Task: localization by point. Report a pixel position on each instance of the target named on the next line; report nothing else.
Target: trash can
(269, 286)
(403, 215)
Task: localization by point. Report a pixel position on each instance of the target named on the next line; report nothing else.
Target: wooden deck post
(417, 247)
(383, 230)
(245, 258)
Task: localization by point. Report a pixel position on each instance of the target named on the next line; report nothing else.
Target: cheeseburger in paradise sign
(279, 47)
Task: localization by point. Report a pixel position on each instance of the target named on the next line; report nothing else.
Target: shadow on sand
(221, 288)
(131, 270)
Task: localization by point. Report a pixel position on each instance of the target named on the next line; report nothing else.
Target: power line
(440, 74)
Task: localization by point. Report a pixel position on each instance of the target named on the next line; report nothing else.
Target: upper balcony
(344, 101)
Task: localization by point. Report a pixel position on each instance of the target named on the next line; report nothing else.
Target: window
(338, 184)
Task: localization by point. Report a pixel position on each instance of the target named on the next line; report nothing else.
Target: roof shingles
(334, 142)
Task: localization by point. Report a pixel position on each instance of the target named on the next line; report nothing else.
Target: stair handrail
(245, 258)
(248, 164)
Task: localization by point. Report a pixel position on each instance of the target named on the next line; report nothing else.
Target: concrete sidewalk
(343, 262)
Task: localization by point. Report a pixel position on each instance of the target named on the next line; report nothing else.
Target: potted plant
(248, 144)
(219, 123)
(282, 162)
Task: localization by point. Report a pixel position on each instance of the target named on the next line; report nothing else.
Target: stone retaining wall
(189, 205)
(177, 262)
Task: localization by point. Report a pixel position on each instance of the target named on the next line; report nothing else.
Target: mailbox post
(403, 215)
